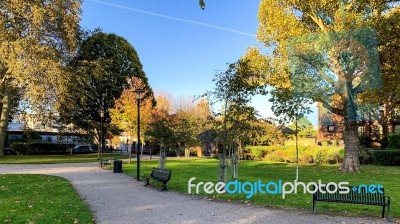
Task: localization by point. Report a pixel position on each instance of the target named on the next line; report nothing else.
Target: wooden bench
(105, 163)
(160, 175)
(359, 196)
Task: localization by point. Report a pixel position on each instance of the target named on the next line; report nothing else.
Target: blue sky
(181, 46)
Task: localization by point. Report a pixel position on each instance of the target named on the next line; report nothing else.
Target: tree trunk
(4, 116)
(351, 163)
(161, 163)
(235, 165)
(223, 171)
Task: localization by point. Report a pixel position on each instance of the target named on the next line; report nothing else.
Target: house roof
(286, 130)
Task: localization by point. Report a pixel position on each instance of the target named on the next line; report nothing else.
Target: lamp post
(101, 136)
(138, 91)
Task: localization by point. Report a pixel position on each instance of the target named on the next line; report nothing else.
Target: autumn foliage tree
(322, 51)
(36, 38)
(124, 113)
(176, 123)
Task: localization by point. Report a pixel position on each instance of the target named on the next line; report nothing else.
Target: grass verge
(207, 170)
(40, 199)
(53, 159)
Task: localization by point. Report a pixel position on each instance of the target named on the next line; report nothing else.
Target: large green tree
(35, 39)
(97, 76)
(388, 32)
(322, 51)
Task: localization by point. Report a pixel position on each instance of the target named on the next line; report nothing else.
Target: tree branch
(334, 110)
(320, 71)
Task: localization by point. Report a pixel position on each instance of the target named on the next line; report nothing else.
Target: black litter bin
(117, 166)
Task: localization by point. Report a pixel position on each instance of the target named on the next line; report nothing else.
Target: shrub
(276, 156)
(31, 135)
(248, 156)
(385, 142)
(317, 155)
(259, 152)
(282, 155)
(365, 157)
(325, 143)
(385, 157)
(193, 152)
(172, 152)
(305, 156)
(364, 140)
(334, 155)
(39, 148)
(394, 141)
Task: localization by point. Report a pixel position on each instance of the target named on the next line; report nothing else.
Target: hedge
(39, 148)
(385, 157)
(309, 154)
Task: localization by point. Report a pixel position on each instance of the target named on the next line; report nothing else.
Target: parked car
(81, 149)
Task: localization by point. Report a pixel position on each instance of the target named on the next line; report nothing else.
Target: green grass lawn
(52, 159)
(207, 170)
(40, 199)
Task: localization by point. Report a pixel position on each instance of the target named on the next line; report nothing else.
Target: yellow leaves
(258, 66)
(33, 36)
(124, 113)
(277, 21)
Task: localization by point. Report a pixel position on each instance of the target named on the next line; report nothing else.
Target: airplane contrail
(174, 18)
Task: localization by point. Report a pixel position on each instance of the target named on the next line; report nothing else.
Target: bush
(365, 157)
(171, 152)
(276, 156)
(385, 142)
(393, 141)
(385, 157)
(248, 156)
(31, 135)
(365, 141)
(334, 155)
(282, 155)
(193, 153)
(318, 157)
(39, 148)
(259, 152)
(307, 155)
(325, 143)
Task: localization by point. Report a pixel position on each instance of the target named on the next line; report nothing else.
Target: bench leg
(383, 212)
(314, 206)
(164, 187)
(389, 213)
(147, 181)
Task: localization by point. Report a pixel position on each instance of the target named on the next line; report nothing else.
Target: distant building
(373, 124)
(48, 131)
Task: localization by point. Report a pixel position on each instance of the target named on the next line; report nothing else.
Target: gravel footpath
(118, 198)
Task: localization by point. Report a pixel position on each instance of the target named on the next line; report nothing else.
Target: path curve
(118, 198)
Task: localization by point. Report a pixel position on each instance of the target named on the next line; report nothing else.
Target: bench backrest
(161, 174)
(357, 197)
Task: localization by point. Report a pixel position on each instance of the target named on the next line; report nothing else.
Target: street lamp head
(101, 113)
(138, 92)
